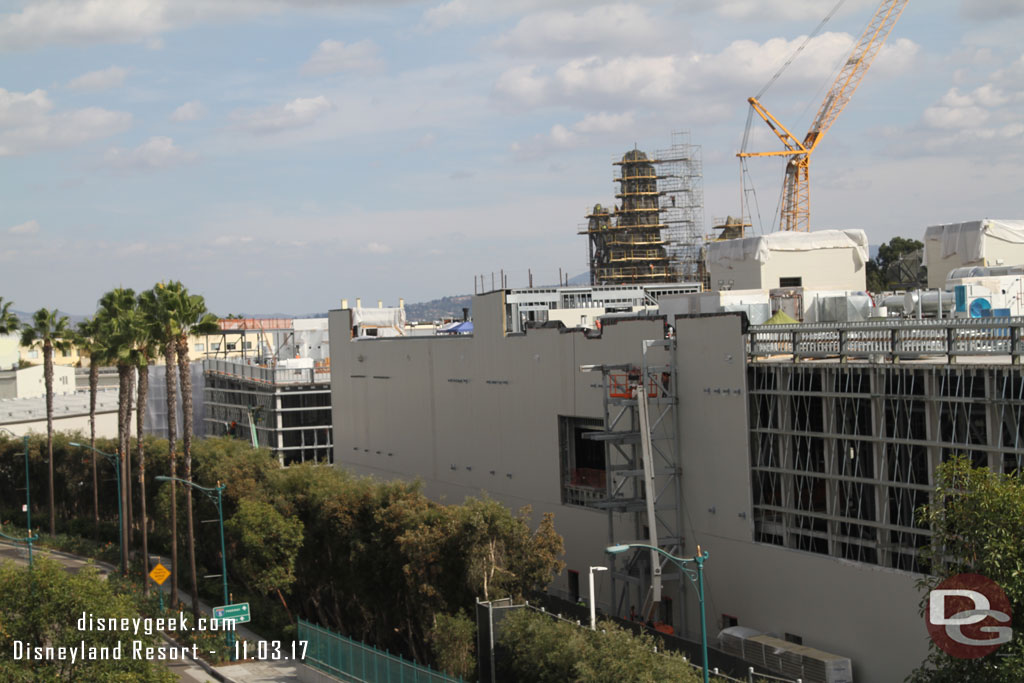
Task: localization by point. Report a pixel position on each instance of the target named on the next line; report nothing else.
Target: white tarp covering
(967, 240)
(759, 248)
(379, 317)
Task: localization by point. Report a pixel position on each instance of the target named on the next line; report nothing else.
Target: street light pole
(219, 500)
(593, 605)
(116, 462)
(696, 578)
(28, 503)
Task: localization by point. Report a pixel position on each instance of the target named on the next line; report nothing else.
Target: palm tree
(118, 320)
(192, 319)
(89, 341)
(148, 339)
(160, 304)
(8, 321)
(49, 330)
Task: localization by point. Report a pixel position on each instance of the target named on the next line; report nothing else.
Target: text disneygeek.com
(134, 649)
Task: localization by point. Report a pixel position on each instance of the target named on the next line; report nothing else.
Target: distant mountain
(26, 318)
(449, 307)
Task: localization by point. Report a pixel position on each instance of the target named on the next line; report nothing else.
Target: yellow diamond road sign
(159, 574)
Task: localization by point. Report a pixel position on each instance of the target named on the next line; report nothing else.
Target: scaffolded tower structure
(654, 233)
(681, 201)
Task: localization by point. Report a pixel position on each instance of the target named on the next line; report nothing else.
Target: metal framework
(642, 471)
(681, 200)
(291, 408)
(843, 454)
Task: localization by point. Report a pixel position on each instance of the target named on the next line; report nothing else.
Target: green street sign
(239, 613)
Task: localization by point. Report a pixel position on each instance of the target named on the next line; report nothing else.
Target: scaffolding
(643, 479)
(654, 233)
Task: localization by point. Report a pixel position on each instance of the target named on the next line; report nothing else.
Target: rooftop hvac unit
(789, 659)
(972, 301)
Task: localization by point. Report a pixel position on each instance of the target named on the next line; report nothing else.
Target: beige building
(826, 259)
(986, 242)
(800, 478)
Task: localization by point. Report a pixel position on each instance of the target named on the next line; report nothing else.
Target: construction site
(654, 232)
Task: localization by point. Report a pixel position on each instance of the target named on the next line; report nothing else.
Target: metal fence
(889, 339)
(256, 373)
(350, 660)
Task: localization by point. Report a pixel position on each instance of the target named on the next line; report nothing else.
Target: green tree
(49, 331)
(8, 321)
(538, 647)
(265, 546)
(42, 608)
(886, 271)
(119, 320)
(160, 304)
(90, 343)
(191, 318)
(453, 641)
(977, 519)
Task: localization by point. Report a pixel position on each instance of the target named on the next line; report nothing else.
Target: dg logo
(968, 616)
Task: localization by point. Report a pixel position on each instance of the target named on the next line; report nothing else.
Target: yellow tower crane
(796, 201)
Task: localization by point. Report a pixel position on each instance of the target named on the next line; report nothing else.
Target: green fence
(351, 660)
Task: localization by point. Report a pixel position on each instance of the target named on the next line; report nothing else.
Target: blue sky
(280, 155)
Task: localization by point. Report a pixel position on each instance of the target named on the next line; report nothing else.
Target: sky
(280, 155)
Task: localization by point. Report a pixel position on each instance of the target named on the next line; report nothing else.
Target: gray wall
(452, 410)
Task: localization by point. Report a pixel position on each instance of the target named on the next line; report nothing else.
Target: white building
(986, 242)
(827, 259)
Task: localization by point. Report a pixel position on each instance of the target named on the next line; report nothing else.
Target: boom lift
(796, 203)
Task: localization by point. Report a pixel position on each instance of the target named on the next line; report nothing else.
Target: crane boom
(796, 209)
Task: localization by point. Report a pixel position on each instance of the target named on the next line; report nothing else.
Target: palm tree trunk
(128, 458)
(170, 371)
(184, 370)
(139, 421)
(48, 381)
(123, 412)
(94, 382)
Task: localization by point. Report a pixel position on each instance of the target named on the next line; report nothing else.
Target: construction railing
(892, 340)
(350, 660)
(265, 375)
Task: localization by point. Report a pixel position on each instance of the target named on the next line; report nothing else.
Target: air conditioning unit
(972, 301)
(789, 659)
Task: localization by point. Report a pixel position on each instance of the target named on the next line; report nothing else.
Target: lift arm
(796, 188)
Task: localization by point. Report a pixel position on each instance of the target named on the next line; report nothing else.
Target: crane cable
(811, 36)
(750, 112)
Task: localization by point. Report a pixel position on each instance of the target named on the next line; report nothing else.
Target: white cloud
(452, 12)
(300, 112)
(986, 10)
(156, 152)
(656, 80)
(377, 248)
(27, 123)
(26, 228)
(104, 79)
(332, 56)
(788, 10)
(190, 111)
(575, 135)
(624, 26)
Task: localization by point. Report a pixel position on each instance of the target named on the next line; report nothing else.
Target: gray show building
(796, 455)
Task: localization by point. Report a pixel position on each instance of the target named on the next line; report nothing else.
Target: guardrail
(257, 373)
(889, 339)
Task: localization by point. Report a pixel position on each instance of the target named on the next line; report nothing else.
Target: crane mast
(796, 203)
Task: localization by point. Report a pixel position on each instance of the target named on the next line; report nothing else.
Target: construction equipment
(796, 205)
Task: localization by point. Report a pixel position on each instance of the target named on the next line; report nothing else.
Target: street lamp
(219, 500)
(696, 578)
(593, 605)
(116, 462)
(28, 505)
